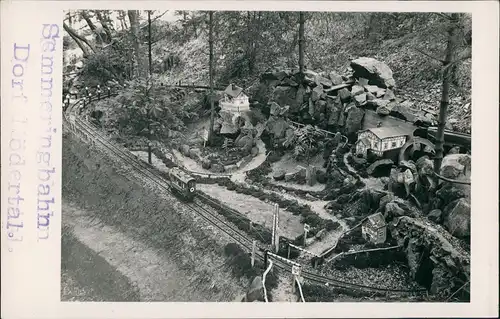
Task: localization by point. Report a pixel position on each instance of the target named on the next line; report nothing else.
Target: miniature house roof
(387, 132)
(377, 220)
(233, 90)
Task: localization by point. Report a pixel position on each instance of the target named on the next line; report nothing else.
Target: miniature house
(234, 100)
(234, 110)
(374, 229)
(381, 140)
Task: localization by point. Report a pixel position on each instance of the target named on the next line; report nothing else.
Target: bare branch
(78, 39)
(429, 56)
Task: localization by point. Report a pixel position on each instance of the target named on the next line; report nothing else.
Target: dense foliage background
(115, 48)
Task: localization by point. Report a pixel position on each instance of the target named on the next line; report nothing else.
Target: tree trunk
(105, 26)
(301, 44)
(91, 25)
(445, 98)
(211, 74)
(133, 16)
(150, 150)
(79, 40)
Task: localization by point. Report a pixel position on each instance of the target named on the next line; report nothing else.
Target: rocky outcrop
(457, 218)
(434, 257)
(377, 73)
(286, 95)
(354, 120)
(327, 99)
(455, 165)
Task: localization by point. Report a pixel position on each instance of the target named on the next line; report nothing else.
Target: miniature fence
(301, 249)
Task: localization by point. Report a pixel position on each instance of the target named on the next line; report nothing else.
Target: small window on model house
(375, 145)
(386, 145)
(393, 144)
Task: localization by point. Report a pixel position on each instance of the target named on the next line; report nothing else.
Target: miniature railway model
(184, 184)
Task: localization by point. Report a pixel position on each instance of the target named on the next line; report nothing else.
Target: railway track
(148, 174)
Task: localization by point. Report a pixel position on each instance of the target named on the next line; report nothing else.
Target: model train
(183, 184)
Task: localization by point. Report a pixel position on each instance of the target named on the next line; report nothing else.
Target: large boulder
(375, 90)
(336, 78)
(456, 165)
(354, 120)
(285, 95)
(322, 81)
(356, 90)
(377, 73)
(376, 103)
(403, 112)
(345, 95)
(379, 164)
(275, 109)
(435, 259)
(334, 108)
(457, 218)
(360, 99)
(389, 95)
(316, 93)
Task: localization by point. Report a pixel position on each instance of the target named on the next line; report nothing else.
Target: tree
(83, 43)
(211, 73)
(301, 44)
(133, 16)
(150, 151)
(448, 62)
(142, 109)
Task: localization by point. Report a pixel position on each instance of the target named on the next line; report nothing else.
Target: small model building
(381, 140)
(234, 100)
(374, 229)
(234, 110)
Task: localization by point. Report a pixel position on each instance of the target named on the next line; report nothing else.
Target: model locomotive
(183, 184)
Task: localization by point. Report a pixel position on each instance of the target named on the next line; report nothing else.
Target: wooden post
(109, 91)
(273, 235)
(277, 240)
(265, 259)
(306, 230)
(254, 243)
(288, 252)
(293, 284)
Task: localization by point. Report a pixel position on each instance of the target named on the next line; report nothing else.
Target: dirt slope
(189, 250)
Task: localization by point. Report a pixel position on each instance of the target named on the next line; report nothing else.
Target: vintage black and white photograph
(266, 156)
